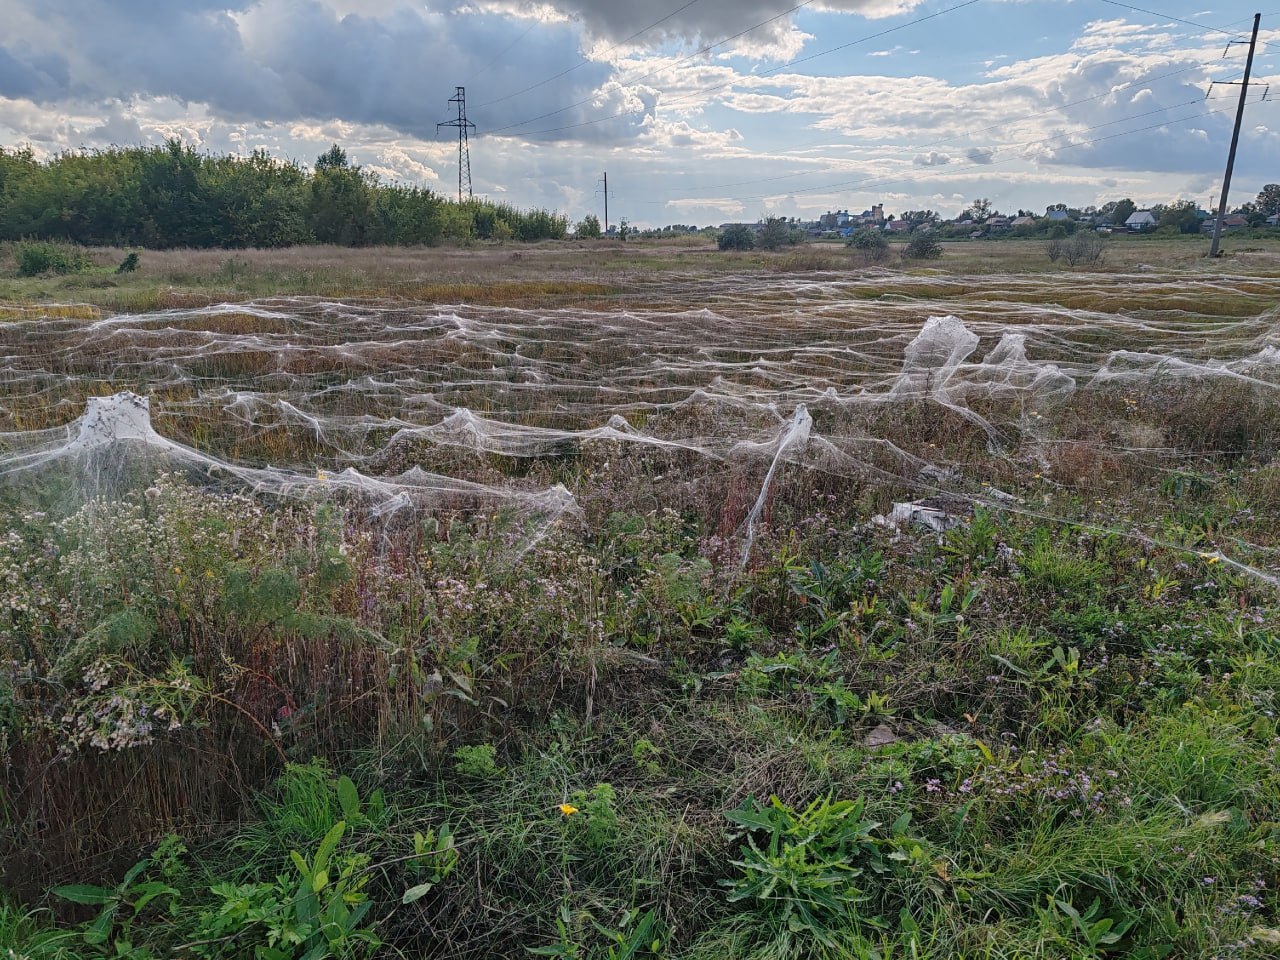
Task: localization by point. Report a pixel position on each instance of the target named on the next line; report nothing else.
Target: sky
(701, 112)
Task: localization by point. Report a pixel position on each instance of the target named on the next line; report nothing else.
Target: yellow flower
(1210, 558)
(177, 569)
(568, 809)
(322, 475)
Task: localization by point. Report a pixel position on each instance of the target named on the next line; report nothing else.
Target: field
(623, 601)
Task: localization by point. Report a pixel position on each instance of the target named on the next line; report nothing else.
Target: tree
(335, 158)
(341, 206)
(1268, 200)
(776, 234)
(872, 245)
(737, 236)
(1085, 247)
(978, 210)
(588, 227)
(1179, 217)
(1122, 211)
(922, 246)
(920, 217)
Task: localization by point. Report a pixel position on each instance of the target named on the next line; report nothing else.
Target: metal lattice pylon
(464, 148)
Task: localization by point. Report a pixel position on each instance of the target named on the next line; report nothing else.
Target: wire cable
(729, 83)
(630, 83)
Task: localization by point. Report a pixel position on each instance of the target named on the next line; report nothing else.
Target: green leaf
(83, 893)
(348, 798)
(416, 893)
(328, 845)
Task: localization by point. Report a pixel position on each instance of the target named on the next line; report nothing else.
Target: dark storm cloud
(706, 20)
(32, 75)
(300, 60)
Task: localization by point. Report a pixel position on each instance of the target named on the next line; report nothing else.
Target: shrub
(872, 245)
(128, 264)
(737, 236)
(922, 246)
(777, 233)
(1085, 247)
(35, 259)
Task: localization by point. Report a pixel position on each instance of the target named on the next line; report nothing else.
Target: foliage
(1268, 200)
(35, 259)
(588, 228)
(872, 245)
(804, 873)
(172, 196)
(922, 246)
(736, 236)
(777, 233)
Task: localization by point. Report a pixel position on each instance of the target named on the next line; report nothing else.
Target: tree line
(174, 196)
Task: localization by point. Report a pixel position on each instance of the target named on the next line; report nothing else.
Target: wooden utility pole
(1235, 140)
(606, 200)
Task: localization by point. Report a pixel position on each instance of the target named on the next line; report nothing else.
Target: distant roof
(1140, 218)
(1058, 215)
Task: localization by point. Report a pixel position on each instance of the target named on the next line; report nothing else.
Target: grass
(236, 726)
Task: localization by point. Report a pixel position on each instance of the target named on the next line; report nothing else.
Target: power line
(994, 126)
(1202, 26)
(729, 83)
(866, 182)
(585, 60)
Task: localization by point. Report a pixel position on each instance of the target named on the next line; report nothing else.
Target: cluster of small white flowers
(111, 723)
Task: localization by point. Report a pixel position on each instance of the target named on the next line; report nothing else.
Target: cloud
(982, 155)
(292, 60)
(931, 159)
(708, 21)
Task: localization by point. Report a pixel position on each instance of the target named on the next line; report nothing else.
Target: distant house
(1140, 220)
(1273, 220)
(1057, 215)
(898, 226)
(1232, 221)
(996, 223)
(1023, 222)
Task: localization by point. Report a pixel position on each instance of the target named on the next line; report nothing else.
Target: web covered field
(987, 550)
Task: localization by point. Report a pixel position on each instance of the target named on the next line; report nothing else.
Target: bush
(128, 264)
(872, 245)
(35, 259)
(737, 236)
(922, 246)
(1084, 247)
(777, 233)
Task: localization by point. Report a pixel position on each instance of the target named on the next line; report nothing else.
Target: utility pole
(606, 203)
(1235, 139)
(464, 148)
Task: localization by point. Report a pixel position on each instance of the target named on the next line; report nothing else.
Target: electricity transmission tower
(1235, 137)
(464, 148)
